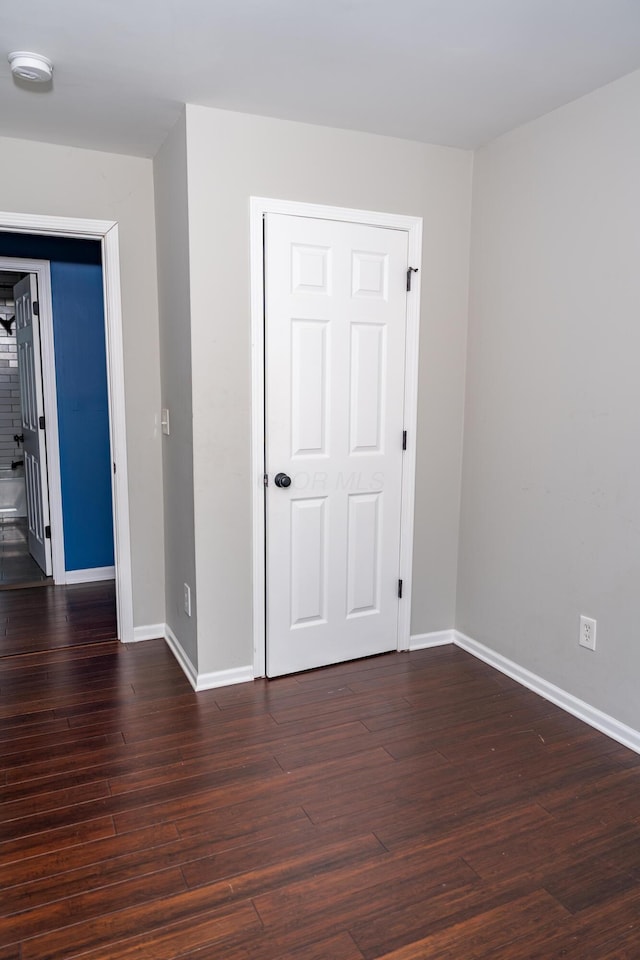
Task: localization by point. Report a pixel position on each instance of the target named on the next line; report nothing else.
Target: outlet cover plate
(587, 636)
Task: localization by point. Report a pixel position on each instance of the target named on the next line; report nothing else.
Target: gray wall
(42, 178)
(231, 157)
(172, 231)
(550, 523)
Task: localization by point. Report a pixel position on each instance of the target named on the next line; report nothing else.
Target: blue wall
(81, 380)
(83, 414)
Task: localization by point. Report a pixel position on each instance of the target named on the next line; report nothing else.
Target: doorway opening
(104, 235)
(61, 463)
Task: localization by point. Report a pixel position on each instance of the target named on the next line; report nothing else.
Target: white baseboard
(150, 631)
(204, 681)
(438, 638)
(595, 718)
(224, 678)
(184, 661)
(90, 575)
(566, 701)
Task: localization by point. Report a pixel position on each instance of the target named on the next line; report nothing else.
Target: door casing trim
(106, 231)
(259, 206)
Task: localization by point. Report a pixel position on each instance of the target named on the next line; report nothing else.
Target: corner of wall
(174, 297)
(464, 379)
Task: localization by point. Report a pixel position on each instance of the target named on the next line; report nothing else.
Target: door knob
(282, 480)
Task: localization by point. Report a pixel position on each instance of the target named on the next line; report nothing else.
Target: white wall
(172, 230)
(42, 178)
(231, 157)
(550, 524)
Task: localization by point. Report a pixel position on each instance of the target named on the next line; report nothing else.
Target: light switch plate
(164, 421)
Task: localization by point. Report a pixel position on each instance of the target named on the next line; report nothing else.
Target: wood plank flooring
(405, 807)
(46, 617)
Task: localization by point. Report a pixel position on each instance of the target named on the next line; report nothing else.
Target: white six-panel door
(335, 327)
(31, 399)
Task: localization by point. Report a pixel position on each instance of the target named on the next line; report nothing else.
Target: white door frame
(42, 270)
(259, 206)
(105, 231)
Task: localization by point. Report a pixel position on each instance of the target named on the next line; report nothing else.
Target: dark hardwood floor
(408, 806)
(46, 617)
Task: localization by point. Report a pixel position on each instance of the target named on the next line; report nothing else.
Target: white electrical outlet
(187, 599)
(587, 636)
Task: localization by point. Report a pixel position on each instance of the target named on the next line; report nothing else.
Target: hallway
(42, 618)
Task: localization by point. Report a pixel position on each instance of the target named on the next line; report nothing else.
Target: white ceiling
(454, 72)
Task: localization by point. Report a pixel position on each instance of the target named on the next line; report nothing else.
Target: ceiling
(453, 72)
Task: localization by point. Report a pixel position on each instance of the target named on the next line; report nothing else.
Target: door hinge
(35, 308)
(41, 422)
(409, 272)
(114, 466)
(399, 589)
(404, 439)
(47, 532)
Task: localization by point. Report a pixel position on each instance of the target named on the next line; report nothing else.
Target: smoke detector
(30, 66)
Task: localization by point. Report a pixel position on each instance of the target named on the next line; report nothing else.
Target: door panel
(367, 386)
(31, 399)
(309, 388)
(308, 561)
(363, 569)
(335, 326)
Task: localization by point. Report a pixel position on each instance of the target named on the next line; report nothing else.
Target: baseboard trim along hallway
(90, 575)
